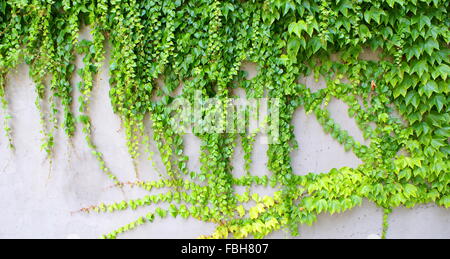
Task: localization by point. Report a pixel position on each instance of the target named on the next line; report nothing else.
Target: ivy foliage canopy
(202, 44)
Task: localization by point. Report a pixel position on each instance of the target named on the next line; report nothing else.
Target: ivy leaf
(256, 197)
(344, 6)
(413, 51)
(173, 210)
(310, 219)
(321, 205)
(429, 88)
(268, 201)
(334, 206)
(373, 14)
(162, 213)
(443, 132)
(150, 217)
(405, 174)
(420, 67)
(436, 143)
(439, 101)
(356, 200)
(398, 199)
(293, 47)
(364, 32)
(400, 90)
(433, 195)
(412, 98)
(308, 203)
(430, 45)
(297, 28)
(424, 20)
(240, 209)
(391, 3)
(443, 70)
(445, 201)
(289, 6)
(254, 213)
(315, 44)
(410, 190)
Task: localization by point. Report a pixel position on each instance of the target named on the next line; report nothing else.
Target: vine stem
(386, 214)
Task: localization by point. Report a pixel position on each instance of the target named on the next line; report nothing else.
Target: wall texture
(39, 200)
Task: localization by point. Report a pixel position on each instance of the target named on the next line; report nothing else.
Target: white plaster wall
(40, 201)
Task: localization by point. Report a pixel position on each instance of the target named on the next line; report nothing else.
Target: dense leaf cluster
(201, 45)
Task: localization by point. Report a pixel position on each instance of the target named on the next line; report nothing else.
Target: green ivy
(400, 103)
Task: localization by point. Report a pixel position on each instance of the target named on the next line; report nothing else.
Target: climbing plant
(400, 102)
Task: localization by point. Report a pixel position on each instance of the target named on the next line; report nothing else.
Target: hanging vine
(202, 45)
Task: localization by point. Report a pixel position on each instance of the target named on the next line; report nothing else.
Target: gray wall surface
(39, 200)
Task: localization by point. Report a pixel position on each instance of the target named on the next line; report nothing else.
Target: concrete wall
(40, 201)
